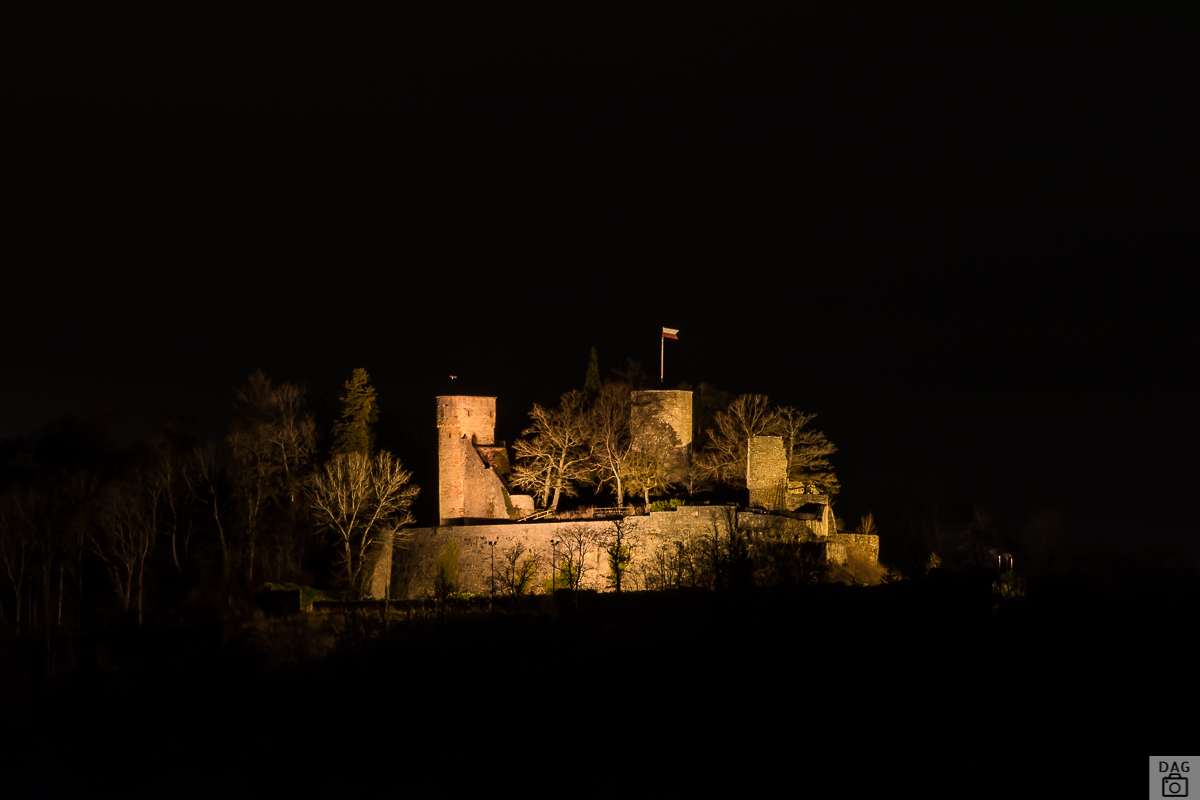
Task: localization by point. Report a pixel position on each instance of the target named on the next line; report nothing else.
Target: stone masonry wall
(865, 544)
(417, 555)
(658, 417)
(766, 472)
(483, 490)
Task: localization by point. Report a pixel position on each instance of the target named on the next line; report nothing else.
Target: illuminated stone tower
(766, 472)
(662, 420)
(463, 424)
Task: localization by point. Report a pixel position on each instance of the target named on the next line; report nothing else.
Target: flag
(669, 333)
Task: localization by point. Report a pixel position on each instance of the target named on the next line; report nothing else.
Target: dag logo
(1174, 784)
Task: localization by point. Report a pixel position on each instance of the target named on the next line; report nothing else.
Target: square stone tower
(464, 422)
(766, 472)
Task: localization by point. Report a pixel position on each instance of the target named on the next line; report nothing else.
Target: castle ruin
(477, 511)
(471, 467)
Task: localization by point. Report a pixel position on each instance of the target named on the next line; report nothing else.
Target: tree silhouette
(363, 502)
(591, 384)
(353, 433)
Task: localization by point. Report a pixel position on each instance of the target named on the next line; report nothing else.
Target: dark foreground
(830, 689)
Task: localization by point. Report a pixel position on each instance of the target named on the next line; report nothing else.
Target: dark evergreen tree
(591, 384)
(354, 432)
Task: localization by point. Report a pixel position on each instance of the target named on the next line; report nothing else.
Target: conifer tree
(591, 384)
(354, 433)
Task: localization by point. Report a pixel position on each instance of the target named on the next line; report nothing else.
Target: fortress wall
(417, 556)
(415, 562)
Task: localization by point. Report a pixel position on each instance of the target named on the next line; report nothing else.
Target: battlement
(474, 417)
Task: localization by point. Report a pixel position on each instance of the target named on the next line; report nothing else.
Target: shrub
(445, 572)
(566, 578)
(666, 505)
(862, 569)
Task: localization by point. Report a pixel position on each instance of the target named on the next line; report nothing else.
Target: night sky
(963, 243)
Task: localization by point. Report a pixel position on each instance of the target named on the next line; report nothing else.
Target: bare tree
(168, 485)
(271, 443)
(666, 565)
(579, 548)
(611, 443)
(79, 493)
(291, 433)
(363, 502)
(622, 541)
(555, 457)
(122, 535)
(697, 476)
(255, 474)
(807, 451)
(204, 484)
(652, 466)
(748, 415)
(17, 546)
(518, 571)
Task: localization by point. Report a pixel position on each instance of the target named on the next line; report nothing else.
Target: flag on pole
(668, 333)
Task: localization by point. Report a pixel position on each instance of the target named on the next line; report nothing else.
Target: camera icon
(1175, 785)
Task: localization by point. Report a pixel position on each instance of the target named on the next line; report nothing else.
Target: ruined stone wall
(663, 419)
(798, 496)
(867, 545)
(483, 490)
(835, 552)
(522, 504)
(766, 472)
(461, 420)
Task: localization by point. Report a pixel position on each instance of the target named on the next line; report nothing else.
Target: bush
(566, 578)
(861, 569)
(445, 570)
(666, 505)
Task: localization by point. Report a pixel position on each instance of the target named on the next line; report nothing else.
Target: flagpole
(667, 333)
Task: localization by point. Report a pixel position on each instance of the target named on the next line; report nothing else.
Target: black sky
(964, 243)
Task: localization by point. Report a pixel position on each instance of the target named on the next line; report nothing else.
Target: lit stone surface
(469, 490)
(654, 532)
(468, 487)
(766, 472)
(663, 418)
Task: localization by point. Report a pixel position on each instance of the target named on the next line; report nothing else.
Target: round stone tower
(461, 421)
(663, 419)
